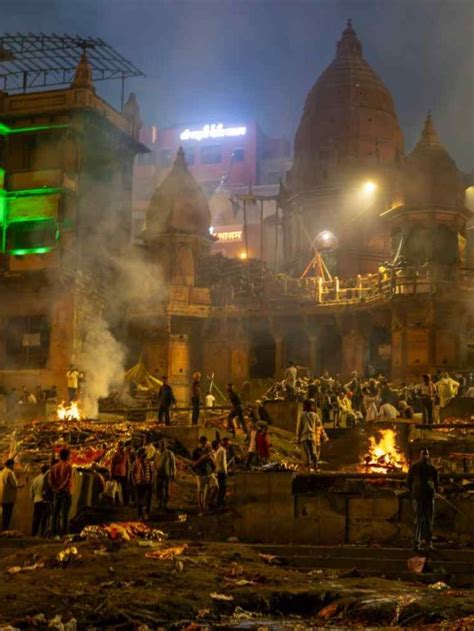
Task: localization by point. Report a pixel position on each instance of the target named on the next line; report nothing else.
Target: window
(26, 342)
(189, 155)
(239, 155)
(165, 158)
(211, 155)
(25, 235)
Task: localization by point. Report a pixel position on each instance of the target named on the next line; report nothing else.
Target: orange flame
(69, 412)
(384, 455)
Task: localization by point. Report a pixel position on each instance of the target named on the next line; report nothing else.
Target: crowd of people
(346, 404)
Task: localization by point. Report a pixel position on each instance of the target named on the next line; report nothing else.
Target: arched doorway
(262, 354)
(296, 348)
(330, 350)
(379, 351)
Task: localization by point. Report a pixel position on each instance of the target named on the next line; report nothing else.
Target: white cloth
(372, 412)
(210, 400)
(220, 456)
(290, 376)
(388, 411)
(37, 488)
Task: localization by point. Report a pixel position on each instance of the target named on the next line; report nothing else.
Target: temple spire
(349, 44)
(428, 135)
(83, 74)
(180, 160)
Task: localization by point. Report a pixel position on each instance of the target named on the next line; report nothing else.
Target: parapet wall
(272, 509)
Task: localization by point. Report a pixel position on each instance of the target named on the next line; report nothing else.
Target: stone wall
(272, 510)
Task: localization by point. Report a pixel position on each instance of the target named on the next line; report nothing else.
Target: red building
(231, 156)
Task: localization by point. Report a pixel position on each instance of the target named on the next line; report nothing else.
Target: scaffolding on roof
(31, 62)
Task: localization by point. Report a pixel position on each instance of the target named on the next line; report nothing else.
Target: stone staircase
(452, 566)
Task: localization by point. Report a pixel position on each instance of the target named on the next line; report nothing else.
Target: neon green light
(29, 219)
(28, 192)
(5, 130)
(42, 250)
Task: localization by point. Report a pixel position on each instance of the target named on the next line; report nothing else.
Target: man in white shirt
(39, 506)
(388, 412)
(210, 400)
(220, 458)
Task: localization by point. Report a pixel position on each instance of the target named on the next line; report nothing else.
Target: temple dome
(349, 119)
(431, 178)
(178, 205)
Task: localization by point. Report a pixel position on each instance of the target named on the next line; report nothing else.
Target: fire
(383, 455)
(69, 412)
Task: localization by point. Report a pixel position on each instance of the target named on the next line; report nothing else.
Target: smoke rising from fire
(127, 280)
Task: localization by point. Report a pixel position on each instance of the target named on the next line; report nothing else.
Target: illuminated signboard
(235, 235)
(213, 131)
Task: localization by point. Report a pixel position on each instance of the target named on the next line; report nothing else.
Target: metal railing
(361, 289)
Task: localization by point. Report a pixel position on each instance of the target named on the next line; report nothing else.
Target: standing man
(290, 380)
(37, 494)
(220, 457)
(204, 467)
(60, 481)
(309, 433)
(236, 411)
(427, 390)
(166, 399)
(119, 467)
(355, 387)
(165, 469)
(423, 484)
(196, 397)
(73, 376)
(142, 476)
(8, 492)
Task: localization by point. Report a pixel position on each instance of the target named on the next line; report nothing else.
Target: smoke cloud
(129, 280)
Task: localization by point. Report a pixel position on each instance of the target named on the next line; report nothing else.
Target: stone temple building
(391, 230)
(374, 273)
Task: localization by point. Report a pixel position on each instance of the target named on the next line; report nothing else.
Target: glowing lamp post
(369, 188)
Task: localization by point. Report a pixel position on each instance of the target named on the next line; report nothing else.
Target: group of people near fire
(346, 404)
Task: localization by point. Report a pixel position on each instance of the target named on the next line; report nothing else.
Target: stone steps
(455, 566)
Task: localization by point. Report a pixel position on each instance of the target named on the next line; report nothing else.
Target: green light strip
(42, 250)
(29, 192)
(5, 130)
(29, 219)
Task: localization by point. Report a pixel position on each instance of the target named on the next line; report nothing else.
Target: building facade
(66, 193)
(392, 229)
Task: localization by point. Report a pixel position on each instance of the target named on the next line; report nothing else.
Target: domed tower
(348, 136)
(177, 224)
(430, 224)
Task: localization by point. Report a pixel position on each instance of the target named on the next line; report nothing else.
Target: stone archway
(297, 348)
(330, 350)
(262, 354)
(379, 350)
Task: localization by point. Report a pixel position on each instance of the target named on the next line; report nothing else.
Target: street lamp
(369, 187)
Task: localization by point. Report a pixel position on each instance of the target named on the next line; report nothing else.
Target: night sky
(220, 60)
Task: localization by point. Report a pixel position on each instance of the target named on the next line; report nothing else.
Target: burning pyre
(384, 456)
(69, 412)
